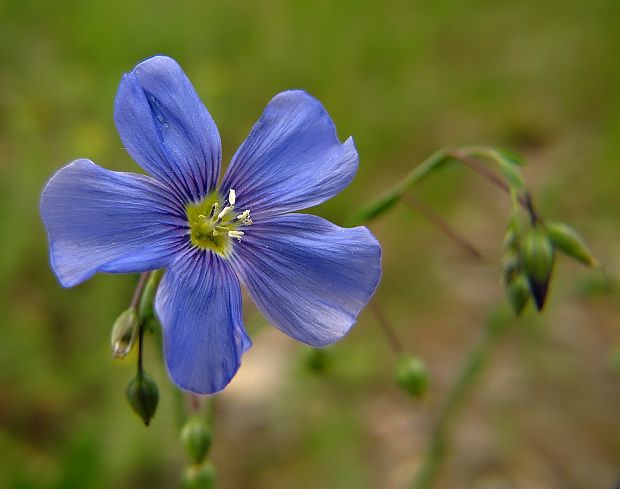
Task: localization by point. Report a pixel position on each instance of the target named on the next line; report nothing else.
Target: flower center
(213, 222)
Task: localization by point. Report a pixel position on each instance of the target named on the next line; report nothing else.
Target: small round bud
(196, 437)
(318, 360)
(143, 396)
(518, 293)
(538, 257)
(199, 477)
(569, 242)
(412, 376)
(124, 333)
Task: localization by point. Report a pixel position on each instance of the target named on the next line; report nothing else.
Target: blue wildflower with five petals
(309, 277)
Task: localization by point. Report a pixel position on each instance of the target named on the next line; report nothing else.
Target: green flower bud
(199, 477)
(412, 376)
(569, 242)
(124, 333)
(538, 257)
(196, 437)
(318, 360)
(518, 293)
(511, 266)
(143, 396)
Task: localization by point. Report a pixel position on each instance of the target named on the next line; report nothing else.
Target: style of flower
(309, 277)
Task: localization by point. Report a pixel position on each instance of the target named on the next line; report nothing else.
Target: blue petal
(99, 220)
(292, 158)
(199, 306)
(309, 277)
(167, 129)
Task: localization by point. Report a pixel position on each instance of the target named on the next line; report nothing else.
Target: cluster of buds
(529, 259)
(196, 438)
(128, 330)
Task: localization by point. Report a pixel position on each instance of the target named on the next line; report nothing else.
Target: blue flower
(309, 277)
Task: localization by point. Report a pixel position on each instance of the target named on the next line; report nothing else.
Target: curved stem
(441, 223)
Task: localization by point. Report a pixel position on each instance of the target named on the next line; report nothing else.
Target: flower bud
(538, 257)
(199, 477)
(518, 292)
(124, 333)
(412, 376)
(318, 360)
(511, 266)
(143, 396)
(569, 242)
(196, 437)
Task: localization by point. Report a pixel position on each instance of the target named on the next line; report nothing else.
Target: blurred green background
(539, 77)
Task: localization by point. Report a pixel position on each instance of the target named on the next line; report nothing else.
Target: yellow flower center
(213, 223)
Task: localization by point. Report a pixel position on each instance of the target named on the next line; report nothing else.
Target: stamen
(232, 197)
(225, 211)
(244, 217)
(214, 209)
(236, 234)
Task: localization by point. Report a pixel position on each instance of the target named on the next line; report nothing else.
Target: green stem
(135, 302)
(469, 374)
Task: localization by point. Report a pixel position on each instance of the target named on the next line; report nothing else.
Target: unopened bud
(143, 396)
(199, 477)
(412, 376)
(518, 293)
(318, 360)
(124, 333)
(196, 437)
(511, 266)
(569, 242)
(538, 258)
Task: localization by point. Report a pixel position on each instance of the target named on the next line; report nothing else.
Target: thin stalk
(137, 294)
(442, 224)
(468, 375)
(135, 302)
(386, 327)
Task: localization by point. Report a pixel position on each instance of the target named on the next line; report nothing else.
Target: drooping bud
(518, 293)
(569, 242)
(412, 376)
(196, 437)
(538, 257)
(143, 396)
(124, 333)
(199, 477)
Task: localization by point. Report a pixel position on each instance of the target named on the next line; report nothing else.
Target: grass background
(540, 78)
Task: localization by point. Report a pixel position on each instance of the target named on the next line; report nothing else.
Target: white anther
(232, 197)
(225, 211)
(244, 217)
(236, 234)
